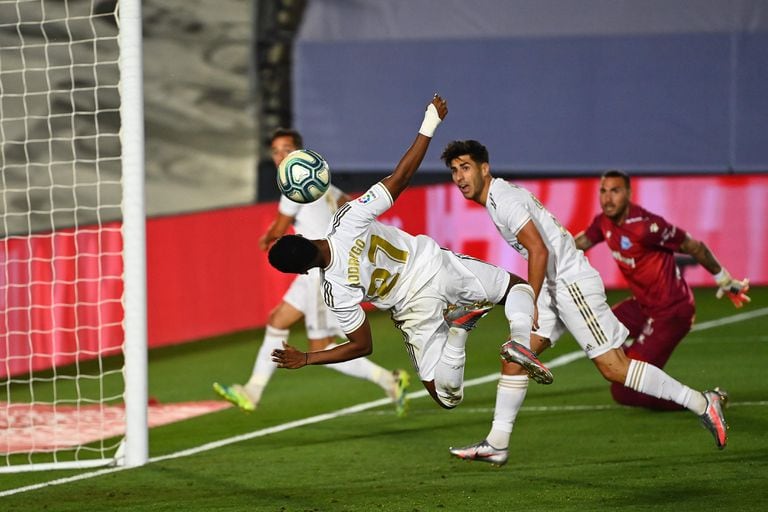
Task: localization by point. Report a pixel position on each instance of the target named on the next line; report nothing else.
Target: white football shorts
(306, 295)
(582, 308)
(461, 280)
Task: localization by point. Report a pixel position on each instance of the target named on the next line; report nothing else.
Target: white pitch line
(554, 363)
(747, 315)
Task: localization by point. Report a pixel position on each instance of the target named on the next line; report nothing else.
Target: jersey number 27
(382, 280)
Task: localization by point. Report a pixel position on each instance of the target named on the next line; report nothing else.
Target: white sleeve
(514, 216)
(350, 319)
(375, 201)
(288, 207)
(345, 304)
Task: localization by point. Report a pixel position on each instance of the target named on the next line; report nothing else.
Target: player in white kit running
(569, 295)
(304, 298)
(363, 260)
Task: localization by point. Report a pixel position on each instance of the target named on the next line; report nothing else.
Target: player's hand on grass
(289, 357)
(735, 290)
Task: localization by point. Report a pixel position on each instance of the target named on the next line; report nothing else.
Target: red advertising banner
(206, 275)
(60, 298)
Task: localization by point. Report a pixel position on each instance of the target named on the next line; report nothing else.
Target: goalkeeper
(661, 311)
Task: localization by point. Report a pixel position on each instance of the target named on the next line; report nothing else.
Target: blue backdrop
(647, 86)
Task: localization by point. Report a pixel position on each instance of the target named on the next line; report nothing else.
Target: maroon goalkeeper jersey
(644, 247)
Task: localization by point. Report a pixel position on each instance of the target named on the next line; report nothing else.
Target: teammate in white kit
(304, 298)
(364, 260)
(569, 295)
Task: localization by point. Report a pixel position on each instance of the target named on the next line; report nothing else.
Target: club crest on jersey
(367, 197)
(624, 243)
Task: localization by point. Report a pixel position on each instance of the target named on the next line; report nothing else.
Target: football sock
(449, 373)
(363, 368)
(510, 394)
(263, 368)
(649, 379)
(519, 311)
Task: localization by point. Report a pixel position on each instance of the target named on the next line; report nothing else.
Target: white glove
(734, 289)
(431, 120)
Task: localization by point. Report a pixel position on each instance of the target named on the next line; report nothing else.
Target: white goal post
(73, 329)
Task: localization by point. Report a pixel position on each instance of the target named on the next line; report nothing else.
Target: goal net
(72, 340)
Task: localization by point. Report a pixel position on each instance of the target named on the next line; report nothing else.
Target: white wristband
(431, 120)
(722, 275)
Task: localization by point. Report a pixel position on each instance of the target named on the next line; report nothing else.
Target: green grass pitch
(572, 447)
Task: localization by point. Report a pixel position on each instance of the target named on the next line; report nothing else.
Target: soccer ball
(303, 176)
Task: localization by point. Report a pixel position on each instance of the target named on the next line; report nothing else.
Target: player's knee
(280, 317)
(274, 318)
(519, 300)
(523, 287)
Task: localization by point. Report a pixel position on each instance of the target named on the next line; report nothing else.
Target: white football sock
(519, 311)
(449, 373)
(510, 394)
(263, 368)
(364, 368)
(651, 380)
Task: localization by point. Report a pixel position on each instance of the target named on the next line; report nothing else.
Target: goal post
(73, 329)
(134, 236)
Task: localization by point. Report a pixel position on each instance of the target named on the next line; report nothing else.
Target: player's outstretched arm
(360, 344)
(411, 160)
(726, 285)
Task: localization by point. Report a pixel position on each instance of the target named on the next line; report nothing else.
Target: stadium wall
(207, 276)
(555, 88)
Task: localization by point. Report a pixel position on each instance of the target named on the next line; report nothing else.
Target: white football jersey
(511, 207)
(372, 262)
(312, 219)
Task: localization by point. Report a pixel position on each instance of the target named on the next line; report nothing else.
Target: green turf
(596, 456)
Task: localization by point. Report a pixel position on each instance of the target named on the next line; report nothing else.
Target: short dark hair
(456, 148)
(298, 141)
(616, 173)
(293, 254)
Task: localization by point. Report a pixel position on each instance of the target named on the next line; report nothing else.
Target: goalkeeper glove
(734, 289)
